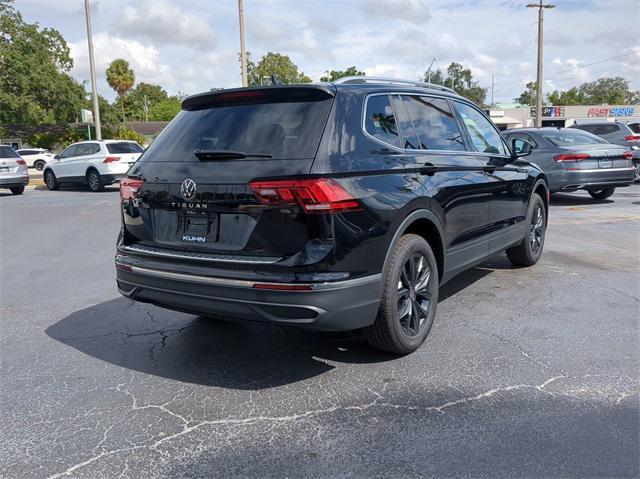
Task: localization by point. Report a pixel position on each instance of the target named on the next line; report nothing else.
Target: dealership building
(559, 116)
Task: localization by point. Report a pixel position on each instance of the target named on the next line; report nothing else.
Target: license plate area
(605, 163)
(197, 227)
(4, 169)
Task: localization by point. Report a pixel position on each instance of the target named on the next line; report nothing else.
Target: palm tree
(121, 78)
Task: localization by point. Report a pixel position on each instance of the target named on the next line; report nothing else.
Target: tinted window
(28, 152)
(570, 137)
(405, 126)
(124, 147)
(434, 122)
(284, 130)
(8, 152)
(69, 152)
(589, 128)
(380, 121)
(635, 127)
(484, 136)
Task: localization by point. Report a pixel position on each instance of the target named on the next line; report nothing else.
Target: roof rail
(366, 79)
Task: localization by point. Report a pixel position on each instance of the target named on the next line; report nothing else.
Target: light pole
(243, 51)
(92, 66)
(429, 69)
(540, 8)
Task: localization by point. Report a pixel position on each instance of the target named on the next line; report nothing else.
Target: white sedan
(36, 157)
(95, 163)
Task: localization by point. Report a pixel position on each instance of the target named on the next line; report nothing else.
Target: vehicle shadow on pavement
(238, 355)
(562, 199)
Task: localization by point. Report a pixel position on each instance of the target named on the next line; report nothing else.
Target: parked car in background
(95, 163)
(330, 206)
(36, 157)
(13, 170)
(575, 160)
(619, 133)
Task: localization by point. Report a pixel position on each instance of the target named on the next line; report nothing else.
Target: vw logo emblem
(188, 189)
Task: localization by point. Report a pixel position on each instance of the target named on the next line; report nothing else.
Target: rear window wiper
(204, 155)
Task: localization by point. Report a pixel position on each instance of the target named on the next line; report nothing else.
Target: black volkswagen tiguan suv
(329, 206)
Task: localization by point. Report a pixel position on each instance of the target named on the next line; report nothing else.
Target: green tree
(134, 101)
(461, 80)
(333, 75)
(274, 64)
(121, 78)
(528, 97)
(614, 91)
(165, 110)
(437, 78)
(572, 96)
(35, 87)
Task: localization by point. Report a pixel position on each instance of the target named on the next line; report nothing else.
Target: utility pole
(429, 69)
(540, 8)
(146, 109)
(492, 87)
(243, 51)
(92, 66)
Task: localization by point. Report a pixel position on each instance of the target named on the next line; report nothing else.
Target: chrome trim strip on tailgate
(600, 170)
(218, 258)
(249, 284)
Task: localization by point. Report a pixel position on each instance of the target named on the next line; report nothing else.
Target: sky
(189, 46)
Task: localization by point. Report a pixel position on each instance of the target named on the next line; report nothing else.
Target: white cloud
(165, 23)
(412, 11)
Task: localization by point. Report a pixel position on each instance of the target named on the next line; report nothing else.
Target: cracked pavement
(527, 372)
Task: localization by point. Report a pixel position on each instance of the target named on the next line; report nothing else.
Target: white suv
(96, 163)
(36, 157)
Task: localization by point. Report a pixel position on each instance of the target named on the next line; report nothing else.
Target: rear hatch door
(196, 197)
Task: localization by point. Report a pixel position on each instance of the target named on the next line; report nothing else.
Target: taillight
(111, 159)
(632, 138)
(21, 162)
(628, 155)
(129, 188)
(319, 195)
(571, 157)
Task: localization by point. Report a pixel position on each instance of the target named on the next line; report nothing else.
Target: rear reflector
(627, 155)
(632, 138)
(283, 287)
(130, 187)
(21, 162)
(111, 159)
(571, 157)
(318, 195)
(123, 267)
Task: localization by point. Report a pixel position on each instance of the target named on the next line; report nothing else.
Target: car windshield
(570, 138)
(8, 152)
(124, 147)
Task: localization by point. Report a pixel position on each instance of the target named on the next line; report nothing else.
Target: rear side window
(434, 123)
(85, 149)
(124, 147)
(484, 136)
(635, 127)
(380, 121)
(277, 127)
(8, 152)
(27, 152)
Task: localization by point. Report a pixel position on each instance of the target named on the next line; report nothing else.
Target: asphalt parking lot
(527, 372)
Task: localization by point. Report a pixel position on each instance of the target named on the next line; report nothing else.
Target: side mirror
(520, 148)
(56, 157)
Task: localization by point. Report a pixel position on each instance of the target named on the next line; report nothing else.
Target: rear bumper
(13, 181)
(333, 306)
(572, 180)
(112, 177)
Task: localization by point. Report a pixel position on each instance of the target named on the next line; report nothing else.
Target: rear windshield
(571, 137)
(284, 130)
(124, 147)
(8, 152)
(635, 127)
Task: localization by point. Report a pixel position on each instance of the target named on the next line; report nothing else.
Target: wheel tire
(39, 165)
(17, 190)
(94, 180)
(636, 173)
(529, 251)
(391, 332)
(51, 181)
(601, 194)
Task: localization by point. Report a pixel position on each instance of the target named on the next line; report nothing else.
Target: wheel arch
(542, 188)
(91, 168)
(426, 224)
